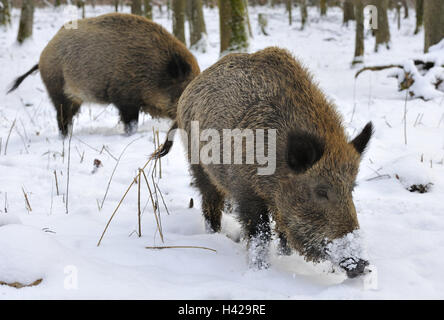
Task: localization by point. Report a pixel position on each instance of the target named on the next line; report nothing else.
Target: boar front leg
(129, 115)
(255, 220)
(212, 199)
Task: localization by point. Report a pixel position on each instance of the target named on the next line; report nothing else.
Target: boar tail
(165, 148)
(20, 79)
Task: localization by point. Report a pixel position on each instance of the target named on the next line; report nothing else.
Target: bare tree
(419, 15)
(136, 7)
(433, 22)
(233, 29)
(5, 13)
(198, 31)
(382, 33)
(304, 13)
(179, 19)
(359, 40)
(323, 7)
(349, 11)
(148, 9)
(26, 20)
(289, 5)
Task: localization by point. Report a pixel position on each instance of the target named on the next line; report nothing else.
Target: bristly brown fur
(116, 58)
(310, 193)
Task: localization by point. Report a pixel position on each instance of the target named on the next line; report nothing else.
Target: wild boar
(115, 58)
(309, 192)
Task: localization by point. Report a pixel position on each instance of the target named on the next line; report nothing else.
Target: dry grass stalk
(114, 170)
(67, 176)
(28, 205)
(124, 196)
(139, 213)
(180, 247)
(9, 134)
(155, 206)
(56, 181)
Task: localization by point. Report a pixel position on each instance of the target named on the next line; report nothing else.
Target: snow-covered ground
(404, 231)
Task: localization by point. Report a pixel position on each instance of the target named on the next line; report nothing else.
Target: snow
(404, 231)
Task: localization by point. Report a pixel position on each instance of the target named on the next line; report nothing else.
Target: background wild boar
(115, 58)
(309, 195)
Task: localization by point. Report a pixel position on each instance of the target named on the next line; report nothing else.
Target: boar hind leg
(212, 199)
(66, 110)
(255, 220)
(129, 115)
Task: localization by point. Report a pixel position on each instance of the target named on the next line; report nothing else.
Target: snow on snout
(349, 247)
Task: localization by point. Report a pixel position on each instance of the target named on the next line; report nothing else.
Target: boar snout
(354, 267)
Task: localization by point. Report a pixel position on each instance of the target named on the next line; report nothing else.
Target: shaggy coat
(115, 58)
(309, 195)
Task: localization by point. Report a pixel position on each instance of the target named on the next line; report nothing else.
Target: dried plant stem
(28, 205)
(114, 170)
(138, 206)
(124, 196)
(155, 207)
(160, 159)
(9, 134)
(67, 176)
(56, 181)
(405, 117)
(181, 247)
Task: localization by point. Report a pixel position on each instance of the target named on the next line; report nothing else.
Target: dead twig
(9, 134)
(28, 205)
(181, 247)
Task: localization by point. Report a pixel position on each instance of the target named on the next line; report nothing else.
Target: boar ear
(362, 139)
(303, 150)
(177, 67)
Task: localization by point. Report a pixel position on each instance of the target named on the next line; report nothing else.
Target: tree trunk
(250, 32)
(359, 40)
(136, 7)
(148, 9)
(26, 21)
(81, 5)
(57, 3)
(349, 11)
(304, 13)
(289, 4)
(406, 9)
(198, 31)
(5, 13)
(419, 15)
(116, 5)
(179, 7)
(433, 22)
(382, 33)
(323, 6)
(233, 31)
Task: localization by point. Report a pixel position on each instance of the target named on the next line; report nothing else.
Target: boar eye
(322, 193)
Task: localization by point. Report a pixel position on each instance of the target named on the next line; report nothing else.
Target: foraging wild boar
(309, 193)
(115, 58)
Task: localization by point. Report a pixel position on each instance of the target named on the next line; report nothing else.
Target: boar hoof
(130, 128)
(258, 254)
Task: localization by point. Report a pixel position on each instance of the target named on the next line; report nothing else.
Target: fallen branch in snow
(423, 77)
(19, 285)
(181, 247)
